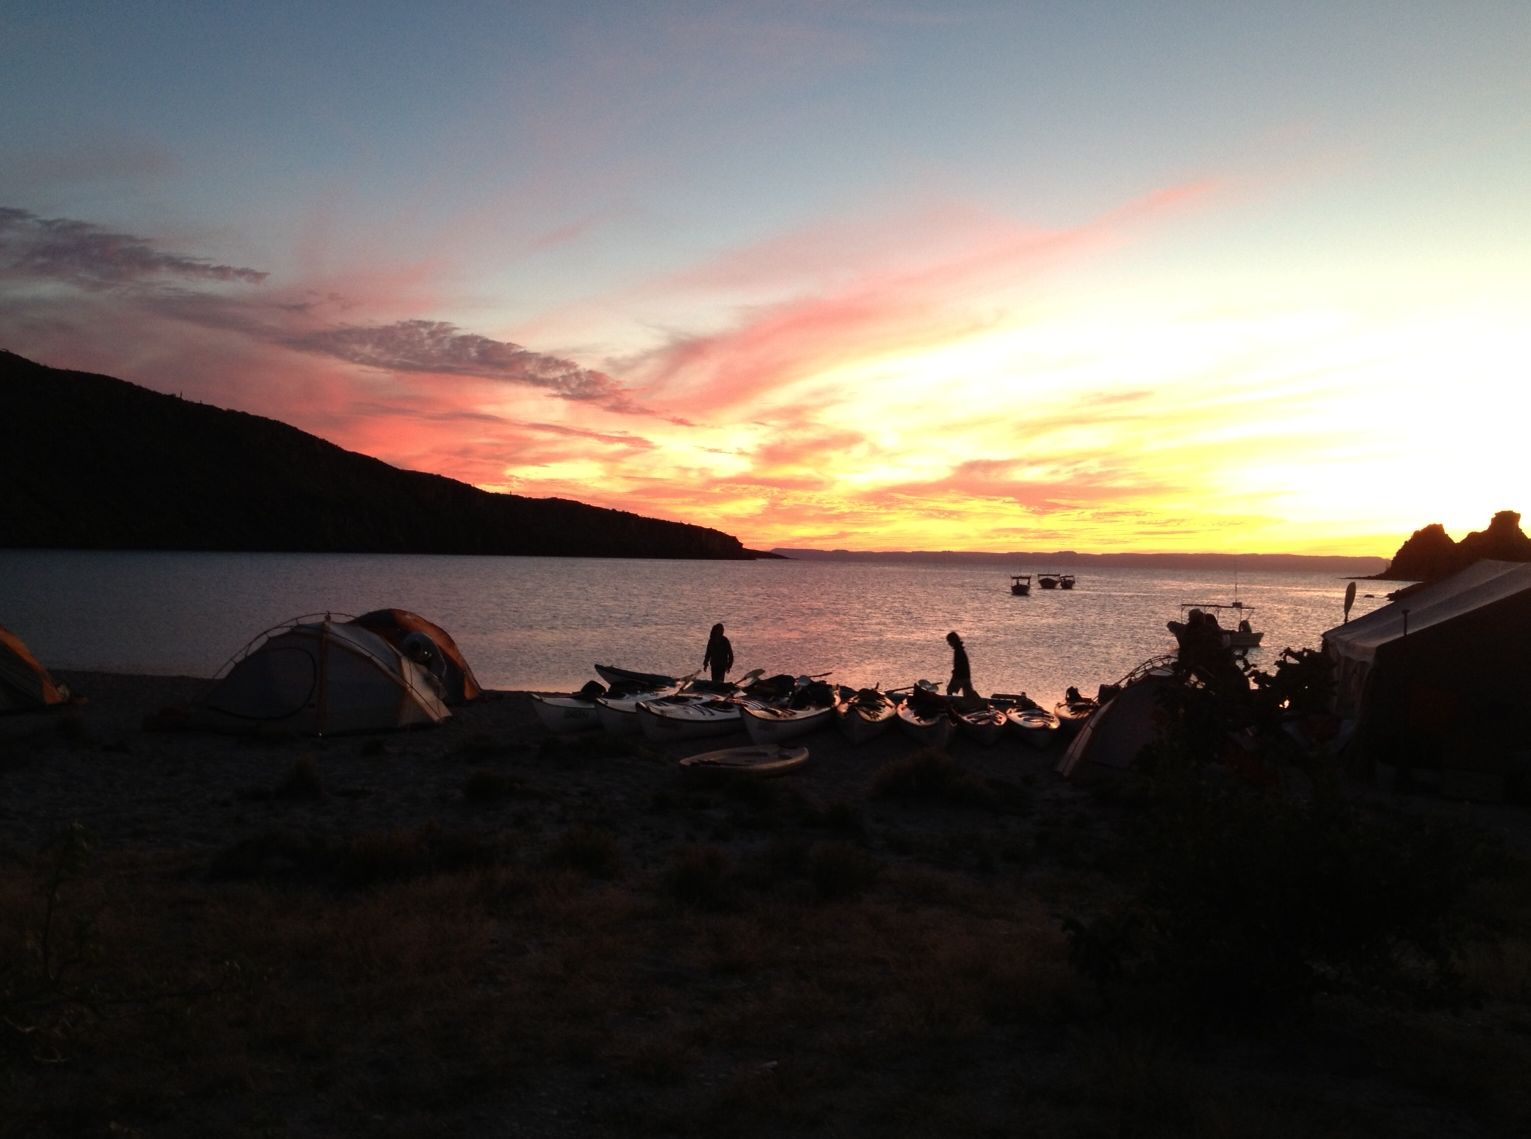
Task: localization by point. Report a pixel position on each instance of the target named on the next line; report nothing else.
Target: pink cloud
(900, 296)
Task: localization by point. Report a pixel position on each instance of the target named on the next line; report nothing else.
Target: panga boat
(754, 759)
(1231, 621)
(1020, 584)
(865, 713)
(1066, 581)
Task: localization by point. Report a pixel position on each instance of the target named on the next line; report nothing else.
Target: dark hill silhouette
(93, 462)
(1429, 553)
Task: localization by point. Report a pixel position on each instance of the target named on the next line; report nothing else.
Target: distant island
(1430, 553)
(93, 462)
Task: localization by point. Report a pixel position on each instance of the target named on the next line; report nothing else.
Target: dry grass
(431, 995)
(879, 954)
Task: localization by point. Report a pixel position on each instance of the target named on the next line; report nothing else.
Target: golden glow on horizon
(1184, 433)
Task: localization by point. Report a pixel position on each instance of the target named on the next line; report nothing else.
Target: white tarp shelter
(1441, 676)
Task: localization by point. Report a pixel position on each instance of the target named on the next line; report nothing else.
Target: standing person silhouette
(962, 673)
(719, 655)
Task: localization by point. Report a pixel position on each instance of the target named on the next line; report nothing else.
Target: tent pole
(324, 688)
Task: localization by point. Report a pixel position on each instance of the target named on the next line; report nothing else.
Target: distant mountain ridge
(1073, 561)
(93, 462)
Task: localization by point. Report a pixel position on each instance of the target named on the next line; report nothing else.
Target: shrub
(932, 776)
(1242, 908)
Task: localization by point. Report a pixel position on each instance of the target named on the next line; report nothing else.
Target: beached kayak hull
(933, 731)
(753, 759)
(566, 713)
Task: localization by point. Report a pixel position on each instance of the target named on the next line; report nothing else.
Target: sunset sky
(997, 276)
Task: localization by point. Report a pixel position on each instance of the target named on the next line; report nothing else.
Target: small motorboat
(1239, 636)
(1048, 580)
(1020, 584)
(1066, 581)
(864, 713)
(754, 759)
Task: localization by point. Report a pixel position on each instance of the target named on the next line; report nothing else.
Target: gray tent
(1440, 679)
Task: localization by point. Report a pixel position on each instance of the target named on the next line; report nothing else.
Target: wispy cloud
(91, 257)
(870, 289)
(137, 273)
(441, 348)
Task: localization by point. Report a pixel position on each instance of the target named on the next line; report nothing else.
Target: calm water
(541, 623)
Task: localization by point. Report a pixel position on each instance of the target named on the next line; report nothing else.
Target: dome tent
(24, 683)
(400, 627)
(320, 677)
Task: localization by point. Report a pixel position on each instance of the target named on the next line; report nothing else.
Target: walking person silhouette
(962, 672)
(719, 655)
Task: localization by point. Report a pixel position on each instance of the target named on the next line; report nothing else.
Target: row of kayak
(773, 710)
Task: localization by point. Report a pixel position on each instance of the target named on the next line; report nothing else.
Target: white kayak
(1037, 726)
(619, 714)
(770, 724)
(867, 713)
(932, 727)
(566, 713)
(982, 722)
(754, 759)
(679, 718)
